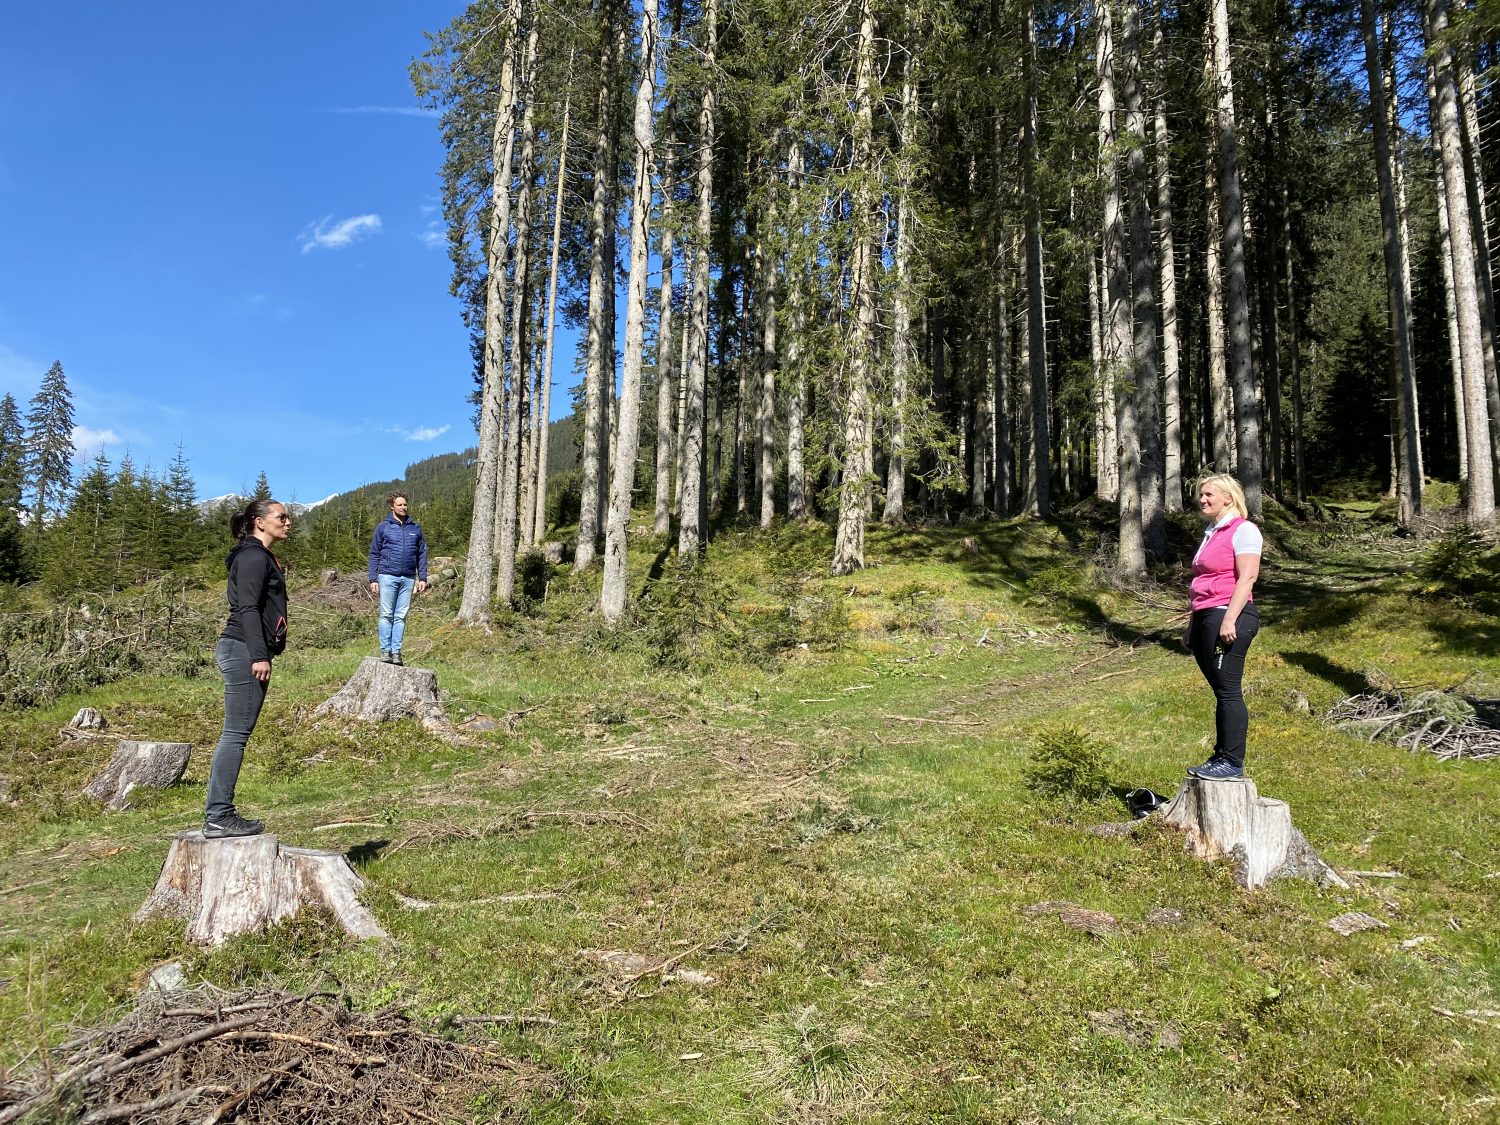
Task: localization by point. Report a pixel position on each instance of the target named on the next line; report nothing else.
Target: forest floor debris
(1442, 723)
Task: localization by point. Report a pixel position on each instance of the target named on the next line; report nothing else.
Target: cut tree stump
(379, 692)
(242, 884)
(1229, 819)
(154, 765)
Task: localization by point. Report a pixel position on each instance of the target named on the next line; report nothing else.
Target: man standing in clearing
(398, 564)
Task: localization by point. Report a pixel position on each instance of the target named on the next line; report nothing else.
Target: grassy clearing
(843, 836)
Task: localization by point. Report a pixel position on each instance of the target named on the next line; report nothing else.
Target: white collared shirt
(1247, 537)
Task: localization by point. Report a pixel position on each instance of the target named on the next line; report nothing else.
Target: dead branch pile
(263, 1057)
(1439, 722)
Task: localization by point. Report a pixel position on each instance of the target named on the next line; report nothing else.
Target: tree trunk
(1146, 371)
(480, 566)
(1450, 306)
(505, 566)
(1231, 820)
(599, 351)
(765, 414)
(1221, 402)
(1132, 558)
(895, 477)
(1237, 293)
(1484, 260)
(796, 472)
(1036, 323)
(1172, 487)
(1397, 279)
(539, 525)
(243, 884)
(137, 765)
(1448, 128)
(665, 392)
(693, 493)
(612, 595)
(849, 542)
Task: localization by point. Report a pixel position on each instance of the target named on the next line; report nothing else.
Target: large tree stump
(154, 765)
(380, 692)
(1229, 819)
(242, 884)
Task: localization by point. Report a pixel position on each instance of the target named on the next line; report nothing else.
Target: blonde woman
(1224, 618)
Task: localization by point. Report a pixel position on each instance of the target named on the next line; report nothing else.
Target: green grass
(844, 837)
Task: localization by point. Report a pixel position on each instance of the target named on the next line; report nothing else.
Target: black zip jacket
(257, 600)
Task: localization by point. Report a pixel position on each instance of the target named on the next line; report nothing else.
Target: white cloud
(330, 235)
(424, 433)
(391, 110)
(86, 439)
(19, 375)
(434, 237)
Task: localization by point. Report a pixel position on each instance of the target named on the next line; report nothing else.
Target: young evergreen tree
(49, 446)
(76, 553)
(12, 483)
(262, 488)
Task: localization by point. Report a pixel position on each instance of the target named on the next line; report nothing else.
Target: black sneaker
(396, 659)
(385, 658)
(1220, 770)
(231, 824)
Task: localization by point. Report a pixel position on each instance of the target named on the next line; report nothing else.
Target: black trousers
(1224, 669)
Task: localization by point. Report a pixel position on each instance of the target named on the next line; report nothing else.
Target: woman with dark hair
(253, 636)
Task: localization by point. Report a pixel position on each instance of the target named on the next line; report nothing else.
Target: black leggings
(1224, 669)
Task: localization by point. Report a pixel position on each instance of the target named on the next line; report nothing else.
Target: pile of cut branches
(265, 1057)
(1440, 722)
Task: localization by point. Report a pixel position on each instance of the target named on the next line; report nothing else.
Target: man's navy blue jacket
(398, 547)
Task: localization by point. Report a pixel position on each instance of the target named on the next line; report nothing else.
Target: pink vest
(1213, 568)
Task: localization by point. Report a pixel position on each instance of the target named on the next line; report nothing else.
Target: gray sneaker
(396, 659)
(231, 824)
(1217, 769)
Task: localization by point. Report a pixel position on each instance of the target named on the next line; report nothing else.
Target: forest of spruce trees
(934, 259)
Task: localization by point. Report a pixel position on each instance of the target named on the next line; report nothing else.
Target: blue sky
(223, 220)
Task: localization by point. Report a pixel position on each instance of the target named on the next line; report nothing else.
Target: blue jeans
(243, 696)
(395, 600)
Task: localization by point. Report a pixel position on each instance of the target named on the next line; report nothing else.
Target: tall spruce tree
(49, 446)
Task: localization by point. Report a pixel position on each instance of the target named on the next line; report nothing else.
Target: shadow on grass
(1456, 634)
(1348, 681)
(368, 852)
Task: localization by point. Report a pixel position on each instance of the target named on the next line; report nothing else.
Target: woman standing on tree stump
(254, 634)
(1224, 619)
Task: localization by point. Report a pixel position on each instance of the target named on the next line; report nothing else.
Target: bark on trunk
(242, 885)
(599, 350)
(474, 608)
(505, 547)
(539, 517)
(1145, 313)
(1237, 292)
(1397, 280)
(1119, 342)
(693, 519)
(849, 542)
(895, 476)
(1449, 130)
(612, 597)
(796, 471)
(1450, 308)
(665, 381)
(139, 765)
(1172, 488)
(1036, 312)
(1230, 820)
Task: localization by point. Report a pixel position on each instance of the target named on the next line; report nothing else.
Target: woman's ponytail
(242, 523)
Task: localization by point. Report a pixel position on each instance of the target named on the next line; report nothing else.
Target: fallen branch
(941, 722)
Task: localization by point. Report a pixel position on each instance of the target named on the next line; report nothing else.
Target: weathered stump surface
(134, 764)
(88, 719)
(1229, 819)
(243, 884)
(379, 692)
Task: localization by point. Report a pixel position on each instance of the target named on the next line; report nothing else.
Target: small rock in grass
(481, 723)
(1165, 916)
(1135, 1029)
(1095, 922)
(1354, 922)
(166, 978)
